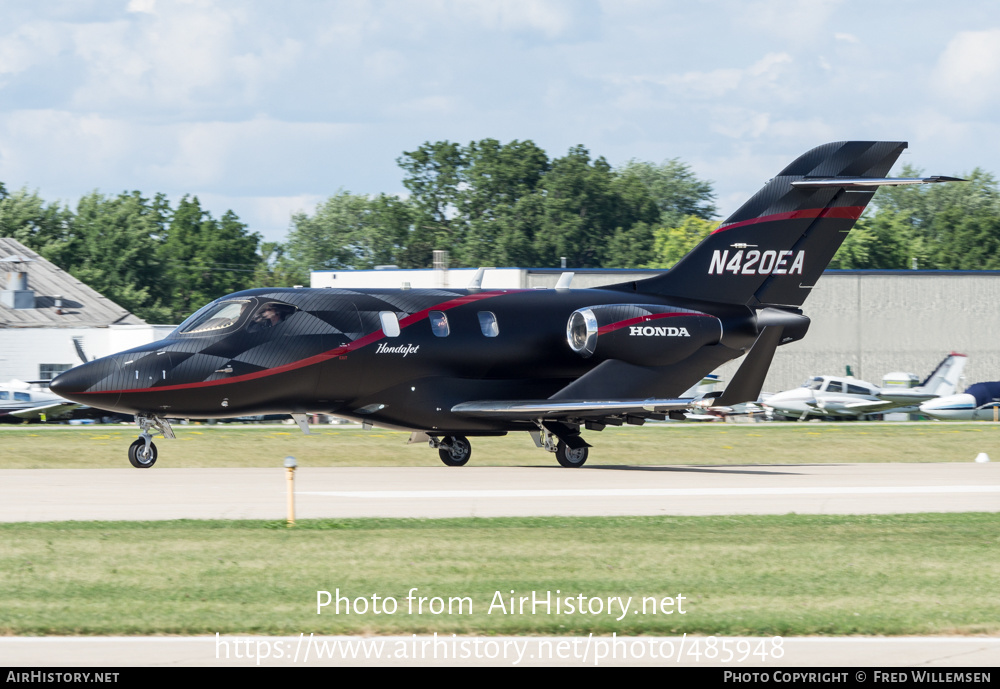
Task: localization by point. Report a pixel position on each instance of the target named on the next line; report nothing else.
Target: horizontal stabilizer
(864, 182)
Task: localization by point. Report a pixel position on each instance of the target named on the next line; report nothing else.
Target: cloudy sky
(267, 108)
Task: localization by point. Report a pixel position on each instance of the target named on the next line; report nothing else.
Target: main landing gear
(569, 448)
(455, 450)
(570, 457)
(142, 453)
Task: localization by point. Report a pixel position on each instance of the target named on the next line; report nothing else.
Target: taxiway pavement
(434, 492)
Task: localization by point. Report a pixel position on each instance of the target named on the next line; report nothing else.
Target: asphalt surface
(430, 492)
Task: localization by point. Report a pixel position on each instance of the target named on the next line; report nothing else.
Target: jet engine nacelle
(641, 334)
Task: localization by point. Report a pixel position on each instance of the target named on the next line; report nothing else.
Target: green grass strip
(60, 447)
(747, 575)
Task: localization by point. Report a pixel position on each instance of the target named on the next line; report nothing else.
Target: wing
(573, 410)
(52, 411)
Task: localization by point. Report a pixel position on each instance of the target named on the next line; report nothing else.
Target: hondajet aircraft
(449, 364)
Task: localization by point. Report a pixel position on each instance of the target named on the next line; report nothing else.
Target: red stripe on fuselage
(839, 212)
(316, 358)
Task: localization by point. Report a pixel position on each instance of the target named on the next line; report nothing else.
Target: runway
(436, 492)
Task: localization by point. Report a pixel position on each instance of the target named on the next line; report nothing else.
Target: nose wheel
(140, 455)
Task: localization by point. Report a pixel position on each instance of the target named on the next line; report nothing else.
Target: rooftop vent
(14, 274)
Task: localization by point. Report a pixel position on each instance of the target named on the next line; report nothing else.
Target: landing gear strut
(142, 453)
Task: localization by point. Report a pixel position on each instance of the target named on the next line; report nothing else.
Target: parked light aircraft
(448, 364)
(834, 397)
(979, 402)
(19, 401)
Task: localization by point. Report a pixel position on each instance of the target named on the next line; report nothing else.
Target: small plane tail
(775, 247)
(943, 380)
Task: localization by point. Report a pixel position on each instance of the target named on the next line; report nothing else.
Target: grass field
(761, 575)
(37, 446)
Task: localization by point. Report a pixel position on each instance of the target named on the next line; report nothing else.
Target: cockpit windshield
(235, 314)
(216, 317)
(813, 383)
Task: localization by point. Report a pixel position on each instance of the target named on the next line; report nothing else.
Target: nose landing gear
(142, 453)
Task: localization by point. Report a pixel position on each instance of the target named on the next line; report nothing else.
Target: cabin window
(439, 323)
(488, 324)
(835, 386)
(390, 324)
(22, 397)
(4, 395)
(858, 390)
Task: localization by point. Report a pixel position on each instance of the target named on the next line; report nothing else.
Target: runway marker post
(290, 465)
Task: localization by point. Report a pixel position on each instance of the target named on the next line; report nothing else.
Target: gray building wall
(880, 322)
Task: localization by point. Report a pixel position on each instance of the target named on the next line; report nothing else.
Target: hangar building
(47, 315)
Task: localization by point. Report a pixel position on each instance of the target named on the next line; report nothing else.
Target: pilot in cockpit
(268, 317)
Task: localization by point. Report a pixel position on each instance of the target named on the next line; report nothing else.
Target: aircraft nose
(70, 382)
(75, 383)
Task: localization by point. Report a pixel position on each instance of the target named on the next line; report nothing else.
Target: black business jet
(449, 364)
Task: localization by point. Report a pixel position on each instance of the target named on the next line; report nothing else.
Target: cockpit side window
(439, 323)
(269, 314)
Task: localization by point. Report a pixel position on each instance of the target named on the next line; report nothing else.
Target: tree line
(487, 203)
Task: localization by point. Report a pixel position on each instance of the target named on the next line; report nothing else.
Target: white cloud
(968, 71)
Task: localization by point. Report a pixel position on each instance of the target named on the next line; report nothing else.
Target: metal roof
(81, 305)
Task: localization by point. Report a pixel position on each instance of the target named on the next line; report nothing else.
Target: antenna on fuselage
(476, 283)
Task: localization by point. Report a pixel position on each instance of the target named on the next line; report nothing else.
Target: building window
(50, 371)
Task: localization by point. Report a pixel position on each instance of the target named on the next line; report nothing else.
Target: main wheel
(568, 457)
(456, 451)
(138, 456)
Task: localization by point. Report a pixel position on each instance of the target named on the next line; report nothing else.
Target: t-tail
(943, 380)
(775, 247)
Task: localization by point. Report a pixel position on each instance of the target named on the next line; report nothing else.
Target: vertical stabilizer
(775, 247)
(943, 380)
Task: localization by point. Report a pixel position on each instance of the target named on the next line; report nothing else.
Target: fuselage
(825, 396)
(399, 358)
(14, 398)
(977, 403)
